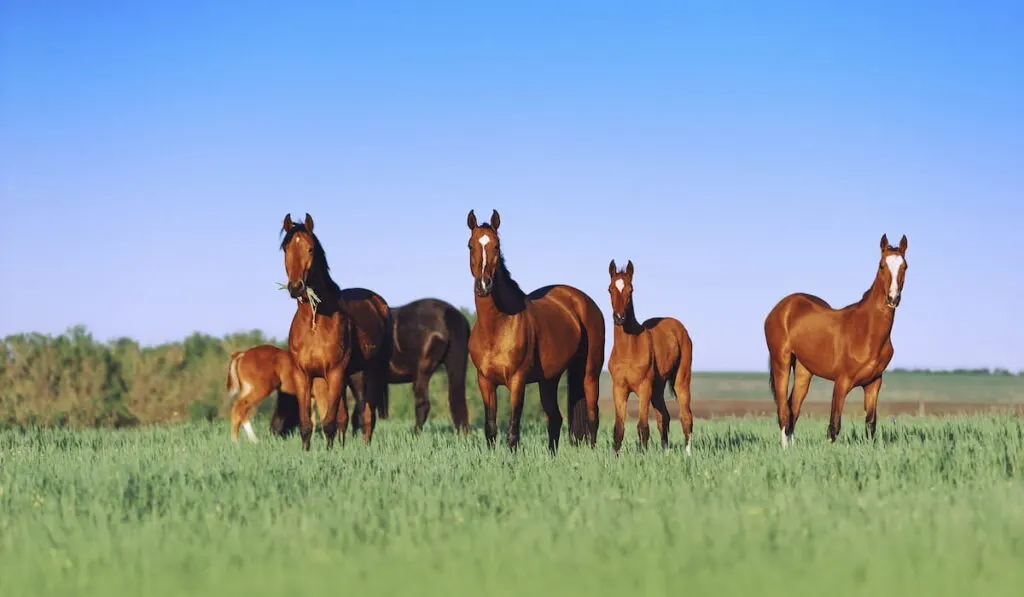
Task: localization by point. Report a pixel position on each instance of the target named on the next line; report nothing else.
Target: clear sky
(736, 152)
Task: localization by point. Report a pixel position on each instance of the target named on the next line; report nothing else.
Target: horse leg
(376, 387)
(661, 416)
(335, 387)
(592, 392)
(433, 352)
(620, 395)
(681, 388)
(286, 414)
(840, 389)
(303, 389)
(871, 391)
(549, 400)
(247, 399)
(516, 390)
(355, 383)
(643, 425)
(421, 394)
(489, 396)
(801, 385)
(779, 367)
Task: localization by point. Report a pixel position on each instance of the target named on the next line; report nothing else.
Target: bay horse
(337, 334)
(426, 334)
(645, 358)
(253, 374)
(850, 346)
(521, 338)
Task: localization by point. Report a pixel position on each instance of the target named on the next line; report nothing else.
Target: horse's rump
(370, 318)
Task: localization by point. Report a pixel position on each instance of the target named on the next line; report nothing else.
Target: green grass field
(935, 507)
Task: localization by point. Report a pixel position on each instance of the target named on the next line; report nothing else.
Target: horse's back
(794, 306)
(565, 317)
(671, 340)
(371, 317)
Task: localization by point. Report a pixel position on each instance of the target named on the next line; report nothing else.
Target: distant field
(896, 387)
(935, 507)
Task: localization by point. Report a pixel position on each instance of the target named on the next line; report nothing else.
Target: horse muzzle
(893, 302)
(295, 289)
(618, 318)
(483, 286)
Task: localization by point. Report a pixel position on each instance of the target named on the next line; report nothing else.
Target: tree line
(75, 380)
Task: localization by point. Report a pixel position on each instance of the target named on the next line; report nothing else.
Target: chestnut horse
(850, 346)
(342, 332)
(253, 374)
(645, 358)
(427, 333)
(521, 338)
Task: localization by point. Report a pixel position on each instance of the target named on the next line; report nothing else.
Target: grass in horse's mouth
(311, 296)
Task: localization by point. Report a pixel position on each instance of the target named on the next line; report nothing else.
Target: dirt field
(706, 409)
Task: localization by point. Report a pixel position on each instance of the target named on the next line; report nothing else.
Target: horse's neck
(505, 301)
(873, 314)
(630, 327)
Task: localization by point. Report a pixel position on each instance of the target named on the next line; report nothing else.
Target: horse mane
(319, 255)
(507, 276)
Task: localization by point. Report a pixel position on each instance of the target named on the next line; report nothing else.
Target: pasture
(935, 506)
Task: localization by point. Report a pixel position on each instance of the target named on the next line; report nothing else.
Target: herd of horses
(350, 339)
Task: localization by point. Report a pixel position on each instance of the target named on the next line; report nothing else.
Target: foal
(850, 346)
(252, 375)
(645, 358)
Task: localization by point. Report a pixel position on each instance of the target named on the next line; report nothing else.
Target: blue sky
(736, 152)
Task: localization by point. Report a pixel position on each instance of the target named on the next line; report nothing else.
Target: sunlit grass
(933, 507)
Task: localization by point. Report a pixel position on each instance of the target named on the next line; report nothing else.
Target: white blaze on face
(620, 284)
(484, 241)
(894, 262)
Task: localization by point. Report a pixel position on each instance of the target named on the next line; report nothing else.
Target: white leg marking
(620, 284)
(785, 440)
(687, 448)
(248, 431)
(894, 262)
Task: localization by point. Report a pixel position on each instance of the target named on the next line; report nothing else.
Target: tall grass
(932, 507)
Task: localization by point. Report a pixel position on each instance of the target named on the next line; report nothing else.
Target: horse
(334, 333)
(253, 374)
(850, 347)
(426, 334)
(521, 338)
(645, 358)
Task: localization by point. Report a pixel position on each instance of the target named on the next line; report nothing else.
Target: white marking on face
(248, 431)
(484, 241)
(620, 284)
(894, 262)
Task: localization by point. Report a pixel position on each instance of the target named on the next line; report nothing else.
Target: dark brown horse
(426, 334)
(337, 334)
(850, 346)
(645, 358)
(521, 338)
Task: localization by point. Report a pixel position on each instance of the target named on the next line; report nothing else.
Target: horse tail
(233, 385)
(390, 343)
(456, 360)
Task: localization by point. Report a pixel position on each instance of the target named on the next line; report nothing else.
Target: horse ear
(309, 223)
(495, 219)
(884, 243)
(629, 269)
(287, 223)
(471, 220)
(903, 244)
(612, 269)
